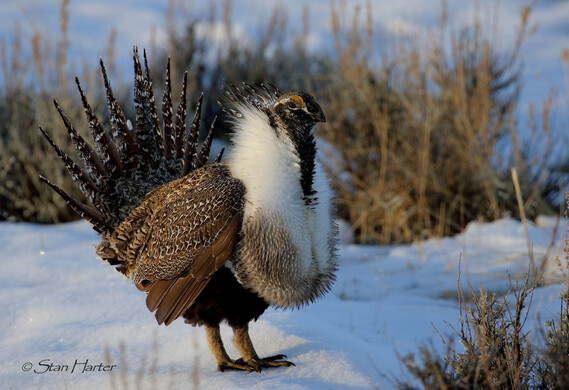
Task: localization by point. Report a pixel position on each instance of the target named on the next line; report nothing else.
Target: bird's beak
(319, 116)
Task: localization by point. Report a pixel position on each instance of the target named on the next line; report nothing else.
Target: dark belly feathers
(225, 299)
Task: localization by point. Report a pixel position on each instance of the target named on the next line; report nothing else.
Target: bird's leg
(218, 351)
(243, 342)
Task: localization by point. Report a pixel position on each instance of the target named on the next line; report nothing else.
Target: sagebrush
(422, 136)
(496, 350)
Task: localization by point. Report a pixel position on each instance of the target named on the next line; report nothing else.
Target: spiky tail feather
(126, 165)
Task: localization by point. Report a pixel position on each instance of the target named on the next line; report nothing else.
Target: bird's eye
(291, 105)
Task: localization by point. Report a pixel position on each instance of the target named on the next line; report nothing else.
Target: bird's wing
(180, 235)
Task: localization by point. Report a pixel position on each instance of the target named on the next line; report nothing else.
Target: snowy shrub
(496, 352)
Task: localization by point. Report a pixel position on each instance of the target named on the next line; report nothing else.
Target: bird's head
(298, 110)
(273, 140)
(293, 114)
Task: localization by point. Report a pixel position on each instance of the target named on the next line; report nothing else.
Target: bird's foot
(238, 364)
(255, 364)
(271, 361)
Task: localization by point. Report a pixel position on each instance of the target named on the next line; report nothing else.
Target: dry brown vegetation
(421, 124)
(424, 129)
(496, 350)
(31, 77)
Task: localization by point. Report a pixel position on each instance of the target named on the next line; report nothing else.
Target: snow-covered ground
(61, 308)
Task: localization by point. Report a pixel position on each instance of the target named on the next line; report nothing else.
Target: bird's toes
(276, 361)
(273, 358)
(238, 364)
(254, 364)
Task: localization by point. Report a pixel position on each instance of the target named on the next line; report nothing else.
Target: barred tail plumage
(123, 166)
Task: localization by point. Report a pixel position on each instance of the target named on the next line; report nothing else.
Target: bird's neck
(286, 252)
(267, 163)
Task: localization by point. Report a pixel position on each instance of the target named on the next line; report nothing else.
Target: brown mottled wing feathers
(172, 299)
(179, 236)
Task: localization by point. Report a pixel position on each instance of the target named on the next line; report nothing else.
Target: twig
(523, 217)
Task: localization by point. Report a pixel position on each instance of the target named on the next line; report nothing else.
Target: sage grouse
(210, 243)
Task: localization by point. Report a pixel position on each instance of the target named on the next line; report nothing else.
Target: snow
(62, 306)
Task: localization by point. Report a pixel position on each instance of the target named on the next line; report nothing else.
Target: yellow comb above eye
(298, 100)
(313, 97)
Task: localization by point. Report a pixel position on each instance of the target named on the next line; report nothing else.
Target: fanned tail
(128, 162)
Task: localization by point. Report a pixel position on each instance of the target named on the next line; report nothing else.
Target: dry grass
(279, 56)
(425, 134)
(497, 351)
(30, 82)
(147, 366)
(426, 131)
